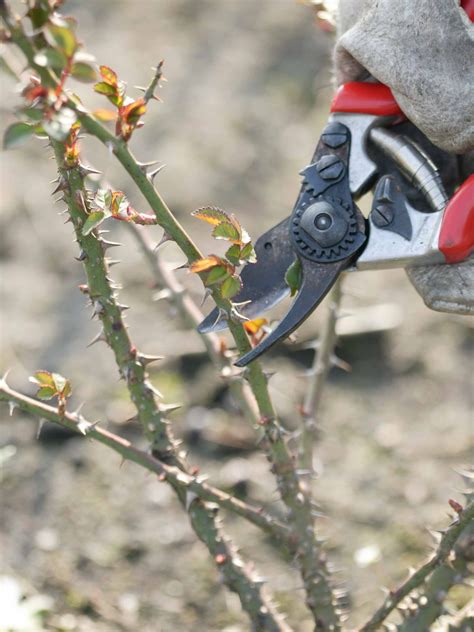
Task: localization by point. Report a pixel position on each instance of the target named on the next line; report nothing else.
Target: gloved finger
(446, 288)
(422, 50)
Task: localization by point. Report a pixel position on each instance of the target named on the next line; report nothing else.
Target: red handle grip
(456, 238)
(468, 6)
(365, 98)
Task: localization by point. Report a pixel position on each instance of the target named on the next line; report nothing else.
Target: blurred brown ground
(247, 95)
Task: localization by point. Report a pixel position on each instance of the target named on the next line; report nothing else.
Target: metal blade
(317, 281)
(263, 282)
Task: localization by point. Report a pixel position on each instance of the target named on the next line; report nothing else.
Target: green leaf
(93, 220)
(233, 254)
(219, 273)
(17, 134)
(293, 277)
(63, 38)
(60, 125)
(33, 114)
(51, 58)
(46, 392)
(45, 378)
(105, 88)
(83, 72)
(248, 253)
(226, 230)
(38, 16)
(231, 286)
(211, 215)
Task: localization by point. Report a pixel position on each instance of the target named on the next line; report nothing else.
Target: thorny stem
(192, 316)
(445, 547)
(190, 484)
(318, 378)
(132, 367)
(311, 560)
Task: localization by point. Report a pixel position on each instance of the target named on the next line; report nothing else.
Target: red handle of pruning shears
(456, 238)
(468, 6)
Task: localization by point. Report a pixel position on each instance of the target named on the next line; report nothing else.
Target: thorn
(162, 294)
(62, 185)
(3, 380)
(98, 310)
(68, 220)
(341, 364)
(11, 407)
(82, 256)
(109, 244)
(84, 288)
(183, 266)
(190, 497)
(154, 390)
(169, 408)
(41, 423)
(113, 262)
(144, 166)
(84, 426)
(151, 175)
(66, 210)
(145, 359)
(99, 338)
(59, 199)
(207, 294)
(86, 170)
(268, 375)
(166, 237)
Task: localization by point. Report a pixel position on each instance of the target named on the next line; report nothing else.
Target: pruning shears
(412, 222)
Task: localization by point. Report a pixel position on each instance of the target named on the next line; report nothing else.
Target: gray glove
(423, 51)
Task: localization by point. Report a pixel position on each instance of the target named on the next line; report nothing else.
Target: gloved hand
(423, 51)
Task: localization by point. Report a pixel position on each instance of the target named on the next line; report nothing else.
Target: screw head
(329, 167)
(382, 215)
(334, 135)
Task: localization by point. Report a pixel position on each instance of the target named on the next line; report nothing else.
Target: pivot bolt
(323, 221)
(329, 167)
(382, 215)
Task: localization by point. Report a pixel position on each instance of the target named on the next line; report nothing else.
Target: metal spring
(415, 165)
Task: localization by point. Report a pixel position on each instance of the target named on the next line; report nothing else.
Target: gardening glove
(424, 52)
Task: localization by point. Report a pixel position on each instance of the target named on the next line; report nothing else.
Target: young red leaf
(131, 113)
(254, 326)
(207, 263)
(109, 76)
(211, 215)
(231, 286)
(105, 115)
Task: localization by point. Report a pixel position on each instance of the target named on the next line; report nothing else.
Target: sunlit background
(105, 548)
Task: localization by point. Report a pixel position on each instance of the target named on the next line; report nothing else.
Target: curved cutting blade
(317, 281)
(263, 282)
